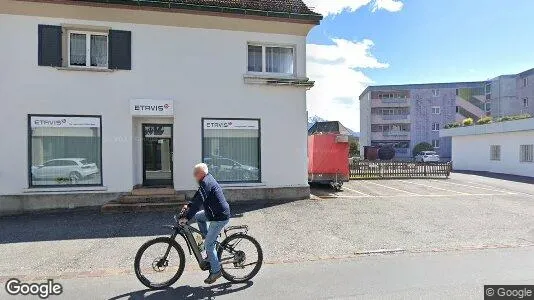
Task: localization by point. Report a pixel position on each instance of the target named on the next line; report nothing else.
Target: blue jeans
(211, 234)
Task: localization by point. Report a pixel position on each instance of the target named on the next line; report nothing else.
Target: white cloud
(389, 5)
(334, 7)
(338, 79)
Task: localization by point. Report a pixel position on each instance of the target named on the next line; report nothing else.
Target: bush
(513, 118)
(452, 125)
(467, 122)
(485, 120)
(422, 147)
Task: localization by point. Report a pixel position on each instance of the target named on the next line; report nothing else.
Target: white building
(101, 98)
(504, 147)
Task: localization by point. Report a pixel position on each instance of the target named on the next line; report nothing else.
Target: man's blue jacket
(209, 195)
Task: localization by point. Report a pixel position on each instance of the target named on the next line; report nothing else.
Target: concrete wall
(526, 92)
(201, 70)
(365, 122)
(504, 101)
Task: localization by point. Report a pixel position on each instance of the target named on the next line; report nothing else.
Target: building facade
(101, 98)
(512, 94)
(503, 147)
(404, 115)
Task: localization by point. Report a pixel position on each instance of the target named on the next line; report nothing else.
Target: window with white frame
(435, 144)
(435, 126)
(526, 153)
(525, 102)
(495, 152)
(487, 106)
(436, 110)
(88, 49)
(435, 92)
(271, 59)
(525, 81)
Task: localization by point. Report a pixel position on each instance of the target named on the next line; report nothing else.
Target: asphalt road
(443, 275)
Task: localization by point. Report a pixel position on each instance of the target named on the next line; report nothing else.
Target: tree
(422, 147)
(354, 149)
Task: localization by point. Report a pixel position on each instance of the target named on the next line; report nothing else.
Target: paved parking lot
(463, 212)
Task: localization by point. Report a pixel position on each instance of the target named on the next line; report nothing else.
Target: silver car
(73, 169)
(427, 156)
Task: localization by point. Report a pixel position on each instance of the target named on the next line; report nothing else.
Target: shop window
(64, 150)
(231, 149)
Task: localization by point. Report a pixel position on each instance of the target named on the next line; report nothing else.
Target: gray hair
(202, 167)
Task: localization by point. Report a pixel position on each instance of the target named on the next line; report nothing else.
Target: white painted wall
(201, 70)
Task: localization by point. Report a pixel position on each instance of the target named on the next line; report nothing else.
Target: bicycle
(230, 257)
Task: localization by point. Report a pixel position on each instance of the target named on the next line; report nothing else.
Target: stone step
(153, 191)
(132, 199)
(114, 207)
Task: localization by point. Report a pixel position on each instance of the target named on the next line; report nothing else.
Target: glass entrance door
(157, 154)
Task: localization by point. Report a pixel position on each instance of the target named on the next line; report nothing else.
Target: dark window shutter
(49, 46)
(120, 50)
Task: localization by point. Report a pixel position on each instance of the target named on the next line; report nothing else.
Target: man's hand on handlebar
(183, 220)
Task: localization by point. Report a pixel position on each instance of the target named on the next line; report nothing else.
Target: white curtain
(77, 49)
(279, 60)
(99, 50)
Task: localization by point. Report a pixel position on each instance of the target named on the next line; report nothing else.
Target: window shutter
(120, 50)
(49, 46)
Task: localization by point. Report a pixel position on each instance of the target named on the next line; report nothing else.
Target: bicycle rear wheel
(159, 263)
(241, 257)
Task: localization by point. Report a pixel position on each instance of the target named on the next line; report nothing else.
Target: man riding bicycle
(216, 211)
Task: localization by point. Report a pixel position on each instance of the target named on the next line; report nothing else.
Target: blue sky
(412, 41)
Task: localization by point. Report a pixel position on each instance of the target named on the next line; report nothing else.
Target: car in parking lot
(73, 169)
(427, 156)
(226, 169)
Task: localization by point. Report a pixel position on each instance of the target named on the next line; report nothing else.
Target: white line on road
(392, 188)
(477, 187)
(405, 196)
(517, 193)
(437, 188)
(352, 190)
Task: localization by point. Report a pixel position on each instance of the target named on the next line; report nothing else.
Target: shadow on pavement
(91, 224)
(187, 292)
(508, 177)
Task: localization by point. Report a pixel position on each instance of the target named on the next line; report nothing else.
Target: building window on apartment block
(487, 106)
(88, 49)
(64, 150)
(231, 149)
(526, 153)
(525, 102)
(495, 152)
(436, 110)
(435, 92)
(271, 59)
(435, 144)
(70, 46)
(488, 88)
(525, 81)
(435, 126)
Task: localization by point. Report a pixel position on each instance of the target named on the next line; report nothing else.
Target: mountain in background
(313, 119)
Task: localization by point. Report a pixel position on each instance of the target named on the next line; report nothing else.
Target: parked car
(226, 169)
(427, 156)
(72, 169)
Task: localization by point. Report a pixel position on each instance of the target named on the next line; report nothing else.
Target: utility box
(328, 159)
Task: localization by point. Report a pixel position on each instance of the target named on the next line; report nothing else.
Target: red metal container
(328, 158)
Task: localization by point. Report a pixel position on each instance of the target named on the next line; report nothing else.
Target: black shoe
(213, 277)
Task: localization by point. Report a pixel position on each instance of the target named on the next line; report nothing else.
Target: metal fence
(398, 169)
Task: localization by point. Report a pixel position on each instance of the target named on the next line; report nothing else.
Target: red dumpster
(328, 159)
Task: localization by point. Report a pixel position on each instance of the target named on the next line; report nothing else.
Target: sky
(378, 42)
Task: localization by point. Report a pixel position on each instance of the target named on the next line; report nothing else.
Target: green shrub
(485, 120)
(422, 147)
(452, 125)
(467, 122)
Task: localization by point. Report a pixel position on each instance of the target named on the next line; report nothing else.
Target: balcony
(390, 135)
(391, 102)
(388, 119)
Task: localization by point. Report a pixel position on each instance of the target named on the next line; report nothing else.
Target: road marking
(406, 196)
(392, 188)
(437, 188)
(517, 193)
(477, 187)
(352, 190)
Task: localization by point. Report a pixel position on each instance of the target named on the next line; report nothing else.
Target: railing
(397, 169)
(396, 133)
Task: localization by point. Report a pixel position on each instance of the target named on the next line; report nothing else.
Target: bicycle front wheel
(241, 258)
(159, 263)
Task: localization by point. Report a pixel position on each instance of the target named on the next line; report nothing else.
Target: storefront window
(65, 150)
(231, 149)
